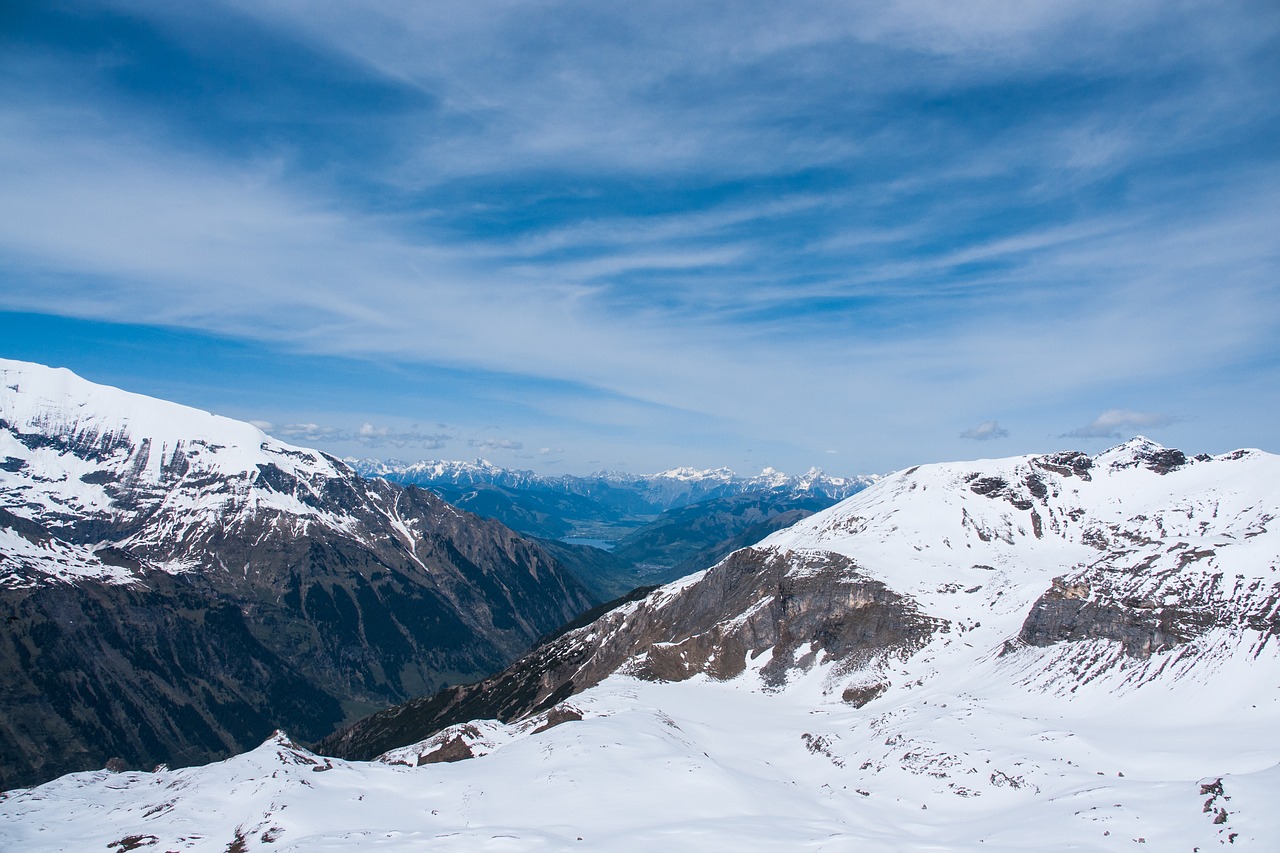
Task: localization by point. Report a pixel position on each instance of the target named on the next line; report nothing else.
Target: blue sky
(573, 235)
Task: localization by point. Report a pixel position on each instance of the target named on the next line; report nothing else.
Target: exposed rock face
(799, 607)
(162, 671)
(861, 695)
(558, 716)
(1146, 609)
(1066, 613)
(453, 749)
(163, 565)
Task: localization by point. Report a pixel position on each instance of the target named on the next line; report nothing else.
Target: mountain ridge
(663, 490)
(170, 523)
(657, 526)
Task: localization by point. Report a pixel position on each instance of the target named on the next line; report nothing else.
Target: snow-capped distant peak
(693, 474)
(665, 490)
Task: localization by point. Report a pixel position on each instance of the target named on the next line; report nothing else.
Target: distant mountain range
(175, 585)
(657, 527)
(612, 495)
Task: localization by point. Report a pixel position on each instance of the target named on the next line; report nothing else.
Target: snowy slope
(706, 765)
(76, 453)
(1102, 677)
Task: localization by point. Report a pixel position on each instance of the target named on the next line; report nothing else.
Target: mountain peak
(687, 473)
(143, 435)
(1141, 451)
(1136, 444)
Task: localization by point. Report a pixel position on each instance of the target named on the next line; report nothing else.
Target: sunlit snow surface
(966, 763)
(73, 451)
(976, 744)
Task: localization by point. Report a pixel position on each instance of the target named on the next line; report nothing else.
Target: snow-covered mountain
(177, 583)
(1046, 652)
(80, 458)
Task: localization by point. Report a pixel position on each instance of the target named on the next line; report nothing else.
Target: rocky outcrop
(1145, 617)
(1067, 613)
(798, 607)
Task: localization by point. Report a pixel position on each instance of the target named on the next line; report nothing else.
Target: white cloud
(496, 444)
(985, 431)
(308, 432)
(1120, 423)
(366, 434)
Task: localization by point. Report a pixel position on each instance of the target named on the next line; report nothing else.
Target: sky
(572, 236)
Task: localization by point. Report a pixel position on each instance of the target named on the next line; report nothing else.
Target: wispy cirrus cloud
(665, 225)
(366, 434)
(495, 444)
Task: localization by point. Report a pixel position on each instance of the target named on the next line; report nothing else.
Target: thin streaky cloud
(496, 444)
(367, 434)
